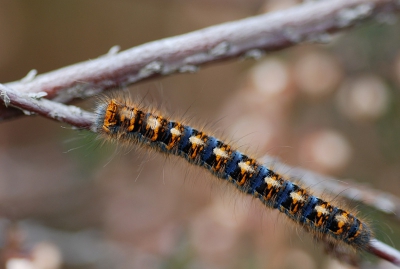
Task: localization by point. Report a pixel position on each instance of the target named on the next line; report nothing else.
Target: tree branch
(249, 38)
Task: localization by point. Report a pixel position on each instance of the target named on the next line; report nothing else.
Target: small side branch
(247, 38)
(35, 104)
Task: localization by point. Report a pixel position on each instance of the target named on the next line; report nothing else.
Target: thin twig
(84, 120)
(247, 38)
(384, 251)
(30, 104)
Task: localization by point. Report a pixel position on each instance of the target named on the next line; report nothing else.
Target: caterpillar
(121, 120)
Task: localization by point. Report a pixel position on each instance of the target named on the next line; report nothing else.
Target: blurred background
(68, 202)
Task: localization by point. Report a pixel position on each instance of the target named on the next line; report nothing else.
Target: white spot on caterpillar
(153, 123)
(196, 141)
(296, 196)
(244, 166)
(341, 218)
(221, 153)
(129, 114)
(271, 181)
(176, 132)
(322, 210)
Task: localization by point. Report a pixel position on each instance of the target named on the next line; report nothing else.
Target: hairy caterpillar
(123, 121)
